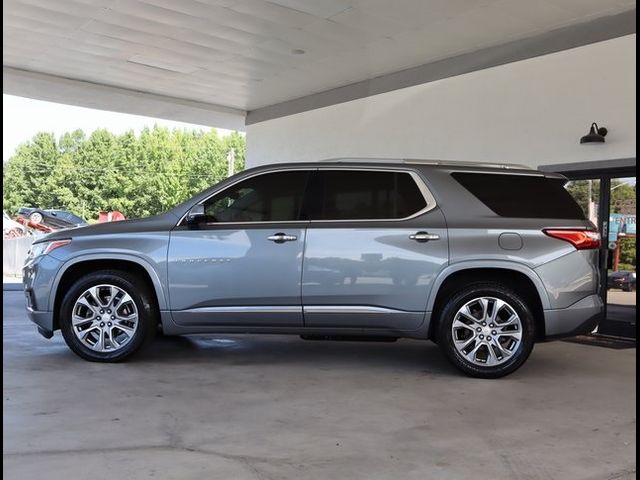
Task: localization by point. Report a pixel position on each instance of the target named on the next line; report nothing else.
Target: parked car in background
(350, 250)
(11, 228)
(52, 218)
(114, 216)
(623, 280)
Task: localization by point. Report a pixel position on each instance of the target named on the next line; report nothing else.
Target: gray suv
(485, 260)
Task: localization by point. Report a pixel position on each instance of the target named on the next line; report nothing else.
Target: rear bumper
(579, 318)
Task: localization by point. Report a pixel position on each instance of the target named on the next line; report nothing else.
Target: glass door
(621, 259)
(610, 203)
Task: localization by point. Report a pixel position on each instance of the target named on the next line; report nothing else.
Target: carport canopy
(227, 63)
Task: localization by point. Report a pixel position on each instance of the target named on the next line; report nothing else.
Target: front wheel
(107, 316)
(486, 330)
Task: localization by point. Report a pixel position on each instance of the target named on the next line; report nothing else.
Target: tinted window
(74, 219)
(361, 195)
(271, 197)
(521, 195)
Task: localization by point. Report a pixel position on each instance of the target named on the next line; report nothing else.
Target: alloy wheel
(486, 331)
(104, 318)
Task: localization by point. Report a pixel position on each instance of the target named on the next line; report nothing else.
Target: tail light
(581, 239)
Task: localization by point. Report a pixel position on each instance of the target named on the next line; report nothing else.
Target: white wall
(531, 112)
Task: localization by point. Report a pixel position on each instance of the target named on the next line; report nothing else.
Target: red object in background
(115, 216)
(36, 226)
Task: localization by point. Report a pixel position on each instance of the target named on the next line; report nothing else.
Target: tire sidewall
(445, 337)
(139, 296)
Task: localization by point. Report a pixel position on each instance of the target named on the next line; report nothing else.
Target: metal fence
(14, 253)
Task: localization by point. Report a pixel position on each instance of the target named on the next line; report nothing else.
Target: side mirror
(195, 213)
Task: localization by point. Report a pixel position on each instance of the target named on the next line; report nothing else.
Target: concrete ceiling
(248, 54)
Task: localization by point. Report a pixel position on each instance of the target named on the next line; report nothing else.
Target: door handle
(282, 237)
(424, 236)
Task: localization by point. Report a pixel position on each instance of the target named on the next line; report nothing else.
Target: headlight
(43, 248)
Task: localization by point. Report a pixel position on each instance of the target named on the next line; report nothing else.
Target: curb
(12, 287)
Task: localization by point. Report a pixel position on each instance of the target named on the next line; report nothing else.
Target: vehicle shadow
(239, 350)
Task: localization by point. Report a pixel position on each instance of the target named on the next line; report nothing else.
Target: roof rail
(451, 163)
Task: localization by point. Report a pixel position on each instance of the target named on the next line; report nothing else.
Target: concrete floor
(281, 408)
(618, 297)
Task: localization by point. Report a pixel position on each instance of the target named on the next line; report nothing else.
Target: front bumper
(44, 321)
(577, 319)
(37, 277)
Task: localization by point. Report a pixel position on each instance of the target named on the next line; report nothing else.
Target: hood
(163, 222)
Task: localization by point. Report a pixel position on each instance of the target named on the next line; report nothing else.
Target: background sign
(621, 224)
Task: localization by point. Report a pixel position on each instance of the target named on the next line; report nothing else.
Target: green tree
(137, 175)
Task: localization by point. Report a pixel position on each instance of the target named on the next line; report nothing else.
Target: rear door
(374, 246)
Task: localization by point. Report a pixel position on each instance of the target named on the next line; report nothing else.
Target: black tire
(486, 289)
(140, 294)
(626, 288)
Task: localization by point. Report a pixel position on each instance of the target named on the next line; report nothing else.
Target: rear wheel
(107, 316)
(486, 330)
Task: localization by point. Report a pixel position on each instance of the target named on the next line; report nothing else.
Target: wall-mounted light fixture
(596, 134)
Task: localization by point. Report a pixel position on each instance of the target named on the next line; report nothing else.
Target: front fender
(113, 255)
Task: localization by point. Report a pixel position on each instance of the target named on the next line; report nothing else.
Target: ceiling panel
(247, 54)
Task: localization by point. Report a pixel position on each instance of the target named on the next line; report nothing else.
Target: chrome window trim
(424, 190)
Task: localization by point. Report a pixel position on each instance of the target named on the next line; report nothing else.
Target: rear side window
(366, 195)
(522, 196)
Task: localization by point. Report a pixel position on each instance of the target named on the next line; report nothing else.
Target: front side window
(271, 197)
(367, 195)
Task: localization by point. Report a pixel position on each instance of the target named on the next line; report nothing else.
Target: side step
(350, 338)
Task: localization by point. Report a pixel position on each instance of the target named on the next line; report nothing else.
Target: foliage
(626, 267)
(138, 175)
(628, 251)
(622, 194)
(623, 200)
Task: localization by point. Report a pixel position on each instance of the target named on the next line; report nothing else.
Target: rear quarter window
(521, 196)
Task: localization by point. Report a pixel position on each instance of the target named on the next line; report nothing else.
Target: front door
(375, 244)
(241, 264)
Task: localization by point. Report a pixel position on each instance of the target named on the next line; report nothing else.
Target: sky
(24, 117)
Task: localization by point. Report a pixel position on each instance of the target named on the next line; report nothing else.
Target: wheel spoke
(124, 328)
(472, 353)
(83, 301)
(497, 306)
(113, 337)
(485, 309)
(77, 320)
(466, 313)
(123, 300)
(459, 324)
(503, 351)
(81, 334)
(465, 343)
(492, 358)
(517, 334)
(512, 320)
(99, 345)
